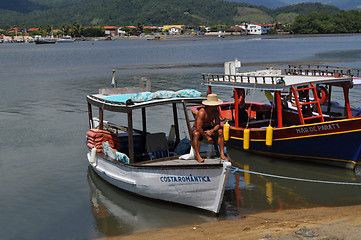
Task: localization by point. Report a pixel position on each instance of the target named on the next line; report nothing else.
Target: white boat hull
(200, 187)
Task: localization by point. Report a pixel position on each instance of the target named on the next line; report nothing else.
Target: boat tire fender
(93, 154)
(322, 94)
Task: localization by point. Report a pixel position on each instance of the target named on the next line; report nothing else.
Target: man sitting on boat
(207, 125)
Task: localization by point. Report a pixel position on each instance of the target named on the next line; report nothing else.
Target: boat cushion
(119, 98)
(114, 154)
(142, 97)
(188, 93)
(165, 94)
(108, 151)
(122, 157)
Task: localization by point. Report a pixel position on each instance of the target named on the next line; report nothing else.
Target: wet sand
(315, 223)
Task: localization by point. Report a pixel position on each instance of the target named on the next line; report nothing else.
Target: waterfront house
(167, 27)
(111, 31)
(132, 27)
(121, 32)
(254, 28)
(235, 30)
(5, 39)
(150, 29)
(16, 30)
(33, 30)
(268, 27)
(175, 31)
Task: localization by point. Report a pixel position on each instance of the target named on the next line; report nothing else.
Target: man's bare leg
(197, 146)
(221, 144)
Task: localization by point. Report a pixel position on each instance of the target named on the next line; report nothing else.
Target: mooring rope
(235, 169)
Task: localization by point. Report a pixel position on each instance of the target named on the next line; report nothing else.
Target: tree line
(155, 12)
(323, 23)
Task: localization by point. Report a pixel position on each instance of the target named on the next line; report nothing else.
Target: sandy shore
(315, 223)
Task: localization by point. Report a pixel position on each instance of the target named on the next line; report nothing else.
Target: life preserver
(322, 94)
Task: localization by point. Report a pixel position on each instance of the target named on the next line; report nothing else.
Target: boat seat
(156, 145)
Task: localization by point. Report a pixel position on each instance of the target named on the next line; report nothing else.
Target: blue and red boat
(299, 120)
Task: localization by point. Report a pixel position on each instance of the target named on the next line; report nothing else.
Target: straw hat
(212, 100)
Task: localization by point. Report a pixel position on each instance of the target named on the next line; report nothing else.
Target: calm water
(47, 190)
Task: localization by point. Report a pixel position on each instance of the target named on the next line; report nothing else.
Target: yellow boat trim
(252, 140)
(317, 135)
(305, 136)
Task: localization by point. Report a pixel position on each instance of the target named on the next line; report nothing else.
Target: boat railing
(271, 80)
(320, 70)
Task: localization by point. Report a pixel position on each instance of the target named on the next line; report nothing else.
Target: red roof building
(111, 30)
(33, 29)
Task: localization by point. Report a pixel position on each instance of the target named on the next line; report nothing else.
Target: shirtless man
(207, 125)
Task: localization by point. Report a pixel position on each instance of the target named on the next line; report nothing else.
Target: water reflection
(251, 192)
(117, 212)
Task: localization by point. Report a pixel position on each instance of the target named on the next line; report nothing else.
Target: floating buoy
(269, 136)
(226, 131)
(246, 133)
(93, 155)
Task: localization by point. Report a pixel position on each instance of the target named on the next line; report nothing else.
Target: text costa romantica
(189, 178)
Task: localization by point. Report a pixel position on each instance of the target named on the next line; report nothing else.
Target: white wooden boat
(168, 178)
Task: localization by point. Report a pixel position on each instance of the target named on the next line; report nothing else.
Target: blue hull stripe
(343, 148)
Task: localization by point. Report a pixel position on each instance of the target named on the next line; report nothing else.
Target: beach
(314, 223)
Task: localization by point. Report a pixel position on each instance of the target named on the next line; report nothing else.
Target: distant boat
(66, 39)
(157, 38)
(45, 41)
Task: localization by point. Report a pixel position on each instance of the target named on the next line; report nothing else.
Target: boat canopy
(117, 103)
(270, 83)
(275, 80)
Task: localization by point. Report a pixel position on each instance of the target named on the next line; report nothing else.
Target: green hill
(131, 12)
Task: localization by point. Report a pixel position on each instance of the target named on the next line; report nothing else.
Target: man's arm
(200, 120)
(217, 122)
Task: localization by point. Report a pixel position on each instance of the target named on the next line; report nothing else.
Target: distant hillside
(125, 12)
(341, 4)
(266, 3)
(307, 8)
(30, 13)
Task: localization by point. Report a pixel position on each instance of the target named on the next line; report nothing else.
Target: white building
(175, 30)
(121, 32)
(254, 28)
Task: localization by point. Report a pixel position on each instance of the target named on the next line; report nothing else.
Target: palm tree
(77, 30)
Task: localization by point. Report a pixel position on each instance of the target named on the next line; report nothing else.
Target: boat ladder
(302, 98)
